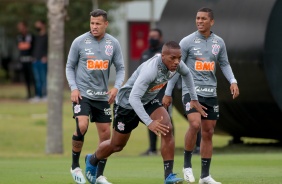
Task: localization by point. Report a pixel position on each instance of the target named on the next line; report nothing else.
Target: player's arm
(147, 75)
(72, 61)
(227, 71)
(188, 80)
(118, 62)
(120, 73)
(167, 99)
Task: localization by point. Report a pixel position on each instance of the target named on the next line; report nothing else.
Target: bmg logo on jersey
(157, 87)
(108, 111)
(97, 64)
(204, 66)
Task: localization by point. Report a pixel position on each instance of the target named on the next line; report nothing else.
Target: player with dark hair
(88, 68)
(201, 51)
(136, 101)
(155, 47)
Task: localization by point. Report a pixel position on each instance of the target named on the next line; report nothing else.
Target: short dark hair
(172, 45)
(207, 10)
(99, 12)
(157, 30)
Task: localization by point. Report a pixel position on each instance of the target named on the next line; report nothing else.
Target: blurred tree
(55, 86)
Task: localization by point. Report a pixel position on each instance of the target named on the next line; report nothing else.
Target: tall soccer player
(201, 51)
(88, 68)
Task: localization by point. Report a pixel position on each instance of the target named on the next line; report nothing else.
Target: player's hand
(234, 90)
(112, 95)
(158, 128)
(200, 108)
(75, 96)
(166, 101)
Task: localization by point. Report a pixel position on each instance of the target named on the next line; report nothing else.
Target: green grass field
(23, 158)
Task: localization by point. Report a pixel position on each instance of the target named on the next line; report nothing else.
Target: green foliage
(11, 13)
(77, 18)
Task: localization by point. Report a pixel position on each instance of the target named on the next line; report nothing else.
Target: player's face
(98, 26)
(204, 22)
(171, 59)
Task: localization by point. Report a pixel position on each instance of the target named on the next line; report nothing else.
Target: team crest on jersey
(76, 109)
(197, 40)
(120, 126)
(109, 50)
(215, 49)
(87, 41)
(108, 41)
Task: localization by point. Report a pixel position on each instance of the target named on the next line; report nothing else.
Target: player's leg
(169, 110)
(80, 113)
(194, 119)
(101, 114)
(206, 151)
(206, 145)
(152, 150)
(207, 130)
(105, 149)
(78, 139)
(198, 142)
(77, 144)
(167, 146)
(125, 121)
(104, 133)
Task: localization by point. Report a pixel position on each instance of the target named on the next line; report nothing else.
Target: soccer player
(201, 51)
(136, 101)
(155, 47)
(87, 71)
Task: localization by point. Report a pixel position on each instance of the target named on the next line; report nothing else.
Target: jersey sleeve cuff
(233, 81)
(73, 88)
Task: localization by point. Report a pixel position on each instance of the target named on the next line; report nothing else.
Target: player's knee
(106, 133)
(118, 148)
(80, 131)
(104, 137)
(207, 134)
(195, 126)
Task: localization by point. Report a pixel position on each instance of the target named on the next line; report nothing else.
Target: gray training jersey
(88, 65)
(145, 83)
(201, 56)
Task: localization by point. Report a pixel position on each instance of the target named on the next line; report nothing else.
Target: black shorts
(209, 102)
(99, 111)
(125, 120)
